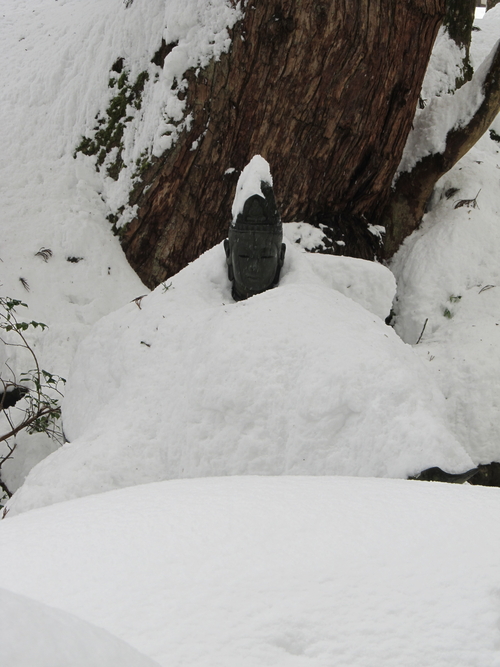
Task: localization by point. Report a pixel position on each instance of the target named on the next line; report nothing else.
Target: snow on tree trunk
(458, 21)
(325, 92)
(474, 108)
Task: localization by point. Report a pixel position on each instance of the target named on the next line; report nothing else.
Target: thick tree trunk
(325, 91)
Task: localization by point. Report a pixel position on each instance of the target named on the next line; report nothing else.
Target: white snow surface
(288, 572)
(444, 67)
(485, 37)
(257, 171)
(33, 634)
(459, 299)
(297, 380)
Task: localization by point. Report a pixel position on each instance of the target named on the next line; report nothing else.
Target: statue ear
(282, 254)
(227, 249)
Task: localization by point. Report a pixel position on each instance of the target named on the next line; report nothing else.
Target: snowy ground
(243, 570)
(282, 571)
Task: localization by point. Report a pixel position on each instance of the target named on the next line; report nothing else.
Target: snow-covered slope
(448, 275)
(285, 572)
(56, 64)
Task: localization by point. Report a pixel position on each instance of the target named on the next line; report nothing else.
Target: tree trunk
(325, 91)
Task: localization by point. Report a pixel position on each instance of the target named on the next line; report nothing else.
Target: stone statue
(254, 248)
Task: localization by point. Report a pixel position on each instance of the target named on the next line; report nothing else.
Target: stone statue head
(254, 248)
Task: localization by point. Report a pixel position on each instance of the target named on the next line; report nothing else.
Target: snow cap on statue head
(254, 191)
(259, 213)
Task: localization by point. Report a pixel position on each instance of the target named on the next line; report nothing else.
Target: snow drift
(283, 571)
(32, 634)
(296, 380)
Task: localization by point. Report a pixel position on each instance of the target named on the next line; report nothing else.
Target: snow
(446, 109)
(271, 557)
(448, 275)
(445, 67)
(443, 114)
(369, 284)
(257, 171)
(32, 633)
(459, 299)
(485, 38)
(285, 571)
(297, 380)
(304, 235)
(55, 67)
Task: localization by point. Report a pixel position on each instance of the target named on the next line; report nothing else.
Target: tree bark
(459, 19)
(325, 91)
(413, 189)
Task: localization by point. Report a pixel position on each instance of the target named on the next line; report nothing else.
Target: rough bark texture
(413, 189)
(459, 20)
(491, 3)
(326, 91)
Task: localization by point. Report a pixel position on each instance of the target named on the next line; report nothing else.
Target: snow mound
(248, 571)
(449, 279)
(32, 634)
(188, 383)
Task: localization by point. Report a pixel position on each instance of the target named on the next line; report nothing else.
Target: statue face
(254, 261)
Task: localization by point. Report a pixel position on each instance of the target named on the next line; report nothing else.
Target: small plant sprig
(41, 412)
(470, 203)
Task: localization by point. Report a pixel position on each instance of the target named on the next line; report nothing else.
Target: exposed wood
(325, 90)
(413, 189)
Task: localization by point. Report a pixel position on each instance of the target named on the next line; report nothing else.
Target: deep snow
(278, 571)
(36, 635)
(61, 202)
(297, 380)
(448, 275)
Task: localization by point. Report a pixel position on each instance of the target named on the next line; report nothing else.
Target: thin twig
(422, 332)
(5, 489)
